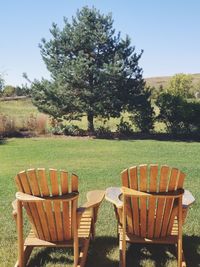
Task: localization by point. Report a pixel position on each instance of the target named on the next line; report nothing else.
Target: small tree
(181, 84)
(94, 71)
(8, 90)
(1, 84)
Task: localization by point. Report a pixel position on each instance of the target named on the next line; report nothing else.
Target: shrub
(144, 116)
(72, 130)
(124, 127)
(7, 125)
(41, 124)
(103, 132)
(179, 116)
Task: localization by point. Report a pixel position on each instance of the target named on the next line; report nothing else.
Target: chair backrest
(151, 217)
(51, 220)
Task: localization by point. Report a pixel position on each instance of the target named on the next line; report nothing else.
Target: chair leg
(179, 252)
(122, 253)
(83, 253)
(27, 253)
(20, 235)
(76, 251)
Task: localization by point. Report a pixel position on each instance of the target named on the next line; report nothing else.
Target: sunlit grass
(98, 164)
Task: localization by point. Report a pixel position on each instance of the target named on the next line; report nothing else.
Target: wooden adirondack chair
(149, 207)
(51, 201)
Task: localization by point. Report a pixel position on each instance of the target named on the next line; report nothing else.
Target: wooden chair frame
(127, 193)
(171, 180)
(86, 214)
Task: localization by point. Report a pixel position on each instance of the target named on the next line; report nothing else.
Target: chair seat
(84, 232)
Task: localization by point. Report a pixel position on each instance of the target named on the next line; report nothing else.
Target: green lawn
(98, 164)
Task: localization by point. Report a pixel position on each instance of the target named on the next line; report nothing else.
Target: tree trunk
(90, 118)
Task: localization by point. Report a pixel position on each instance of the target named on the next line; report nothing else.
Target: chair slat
(33, 182)
(134, 201)
(153, 178)
(64, 182)
(133, 179)
(66, 221)
(164, 178)
(152, 202)
(66, 217)
(125, 182)
(125, 178)
(38, 224)
(151, 218)
(43, 220)
(169, 202)
(58, 220)
(158, 220)
(51, 220)
(54, 182)
(143, 177)
(74, 183)
(24, 182)
(18, 183)
(181, 180)
(143, 201)
(43, 182)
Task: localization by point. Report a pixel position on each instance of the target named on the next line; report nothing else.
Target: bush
(179, 116)
(144, 116)
(103, 132)
(124, 128)
(7, 126)
(72, 130)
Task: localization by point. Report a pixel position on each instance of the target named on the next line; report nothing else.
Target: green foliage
(23, 90)
(179, 116)
(143, 115)
(181, 84)
(124, 128)
(1, 84)
(73, 130)
(8, 90)
(94, 71)
(103, 132)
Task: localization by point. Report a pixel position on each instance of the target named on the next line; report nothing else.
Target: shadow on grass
(191, 246)
(97, 254)
(154, 136)
(102, 248)
(160, 255)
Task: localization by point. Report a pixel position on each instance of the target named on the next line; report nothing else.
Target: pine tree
(94, 71)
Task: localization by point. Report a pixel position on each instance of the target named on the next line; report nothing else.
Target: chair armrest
(188, 199)
(14, 205)
(94, 199)
(26, 197)
(30, 198)
(112, 195)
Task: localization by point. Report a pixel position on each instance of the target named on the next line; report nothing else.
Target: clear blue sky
(168, 31)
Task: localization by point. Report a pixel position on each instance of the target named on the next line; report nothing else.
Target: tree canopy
(181, 85)
(93, 70)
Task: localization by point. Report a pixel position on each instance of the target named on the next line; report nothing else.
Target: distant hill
(164, 80)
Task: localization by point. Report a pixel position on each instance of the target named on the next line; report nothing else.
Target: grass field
(98, 164)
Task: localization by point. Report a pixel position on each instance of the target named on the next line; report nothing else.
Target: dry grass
(164, 80)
